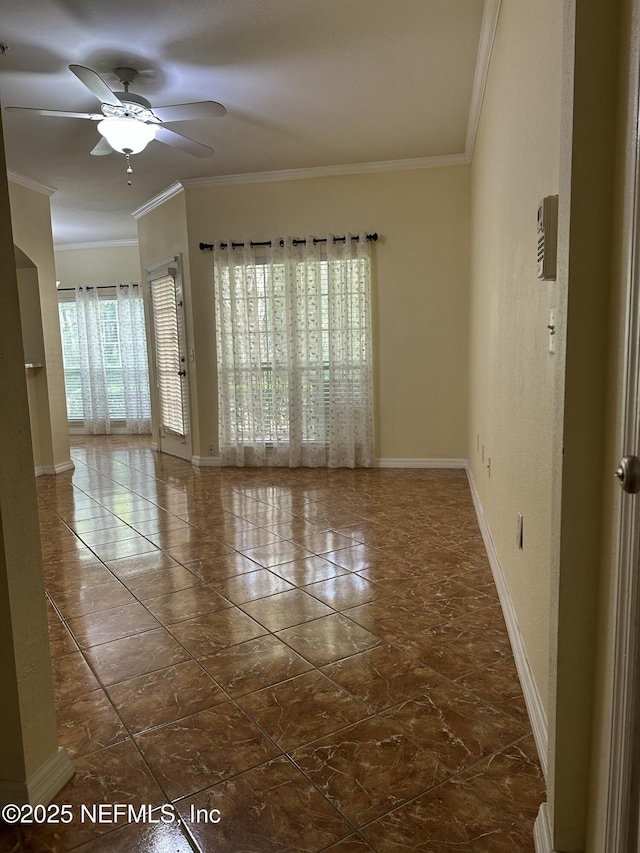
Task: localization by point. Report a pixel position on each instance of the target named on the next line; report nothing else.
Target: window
(294, 354)
(105, 361)
(71, 360)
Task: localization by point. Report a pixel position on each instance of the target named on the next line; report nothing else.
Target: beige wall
(31, 222)
(515, 383)
(28, 737)
(421, 298)
(541, 417)
(97, 266)
(162, 234)
(34, 354)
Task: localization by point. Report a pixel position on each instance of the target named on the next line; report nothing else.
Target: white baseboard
(535, 708)
(214, 462)
(154, 446)
(43, 785)
(542, 832)
(40, 470)
(206, 461)
(420, 463)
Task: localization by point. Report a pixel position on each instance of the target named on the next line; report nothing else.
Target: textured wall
(28, 735)
(31, 223)
(101, 266)
(515, 383)
(421, 288)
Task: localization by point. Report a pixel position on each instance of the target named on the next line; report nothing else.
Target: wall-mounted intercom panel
(547, 228)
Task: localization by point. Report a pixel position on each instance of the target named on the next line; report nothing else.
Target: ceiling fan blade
(177, 140)
(101, 148)
(184, 112)
(56, 113)
(96, 84)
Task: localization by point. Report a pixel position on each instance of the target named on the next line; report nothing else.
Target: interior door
(170, 361)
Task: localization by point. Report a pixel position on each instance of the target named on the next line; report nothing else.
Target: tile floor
(318, 655)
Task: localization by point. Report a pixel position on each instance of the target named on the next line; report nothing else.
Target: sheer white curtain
(93, 373)
(112, 359)
(133, 358)
(294, 352)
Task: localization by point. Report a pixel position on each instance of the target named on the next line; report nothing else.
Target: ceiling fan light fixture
(126, 135)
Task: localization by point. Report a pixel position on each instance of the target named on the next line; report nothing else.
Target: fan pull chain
(129, 169)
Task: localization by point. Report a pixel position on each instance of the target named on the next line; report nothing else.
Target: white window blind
(111, 358)
(170, 369)
(71, 360)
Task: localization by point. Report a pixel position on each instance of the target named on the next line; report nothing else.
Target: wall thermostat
(547, 237)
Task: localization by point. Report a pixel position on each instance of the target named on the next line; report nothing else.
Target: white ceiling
(306, 83)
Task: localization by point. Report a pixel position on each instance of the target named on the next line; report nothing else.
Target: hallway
(318, 654)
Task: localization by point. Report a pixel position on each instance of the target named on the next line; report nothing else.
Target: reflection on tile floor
(318, 655)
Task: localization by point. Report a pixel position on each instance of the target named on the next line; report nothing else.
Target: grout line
(459, 547)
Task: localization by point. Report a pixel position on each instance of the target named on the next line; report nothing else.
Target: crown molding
(95, 244)
(29, 183)
(485, 47)
(301, 174)
(327, 171)
(159, 199)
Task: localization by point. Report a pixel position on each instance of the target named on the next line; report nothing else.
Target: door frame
(623, 795)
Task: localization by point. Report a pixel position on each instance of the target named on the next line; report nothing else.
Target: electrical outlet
(211, 450)
(520, 532)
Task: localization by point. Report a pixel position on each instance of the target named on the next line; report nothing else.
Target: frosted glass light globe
(126, 135)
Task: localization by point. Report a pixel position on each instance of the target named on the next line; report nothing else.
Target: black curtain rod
(295, 241)
(98, 286)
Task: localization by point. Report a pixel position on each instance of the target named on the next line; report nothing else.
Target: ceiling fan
(127, 121)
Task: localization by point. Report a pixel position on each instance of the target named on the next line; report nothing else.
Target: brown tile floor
(319, 655)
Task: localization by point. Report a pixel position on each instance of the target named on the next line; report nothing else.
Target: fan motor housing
(131, 98)
(133, 106)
